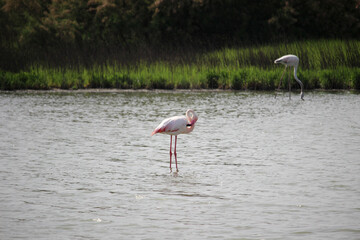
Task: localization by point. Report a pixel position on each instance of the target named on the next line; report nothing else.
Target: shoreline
(118, 90)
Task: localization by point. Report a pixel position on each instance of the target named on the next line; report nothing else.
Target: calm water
(84, 166)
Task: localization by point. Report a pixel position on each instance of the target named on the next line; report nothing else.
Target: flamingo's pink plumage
(175, 126)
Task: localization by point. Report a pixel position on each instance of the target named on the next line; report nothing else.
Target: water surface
(82, 165)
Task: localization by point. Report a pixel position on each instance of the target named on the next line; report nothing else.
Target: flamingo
(175, 126)
(290, 61)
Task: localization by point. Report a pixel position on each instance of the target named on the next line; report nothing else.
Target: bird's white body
(288, 60)
(175, 126)
(291, 61)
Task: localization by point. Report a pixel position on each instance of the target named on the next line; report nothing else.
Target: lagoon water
(82, 165)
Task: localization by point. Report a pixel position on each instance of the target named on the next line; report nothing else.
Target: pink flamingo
(175, 126)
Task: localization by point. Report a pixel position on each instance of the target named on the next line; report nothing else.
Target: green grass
(325, 64)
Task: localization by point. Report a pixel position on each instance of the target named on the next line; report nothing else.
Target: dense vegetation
(324, 64)
(176, 43)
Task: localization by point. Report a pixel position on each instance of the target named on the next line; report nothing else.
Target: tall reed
(326, 64)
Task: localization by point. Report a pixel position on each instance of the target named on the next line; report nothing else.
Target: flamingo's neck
(298, 80)
(191, 117)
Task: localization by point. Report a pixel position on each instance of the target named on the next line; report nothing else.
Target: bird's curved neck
(296, 78)
(191, 117)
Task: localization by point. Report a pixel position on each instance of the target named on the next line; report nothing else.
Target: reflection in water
(83, 165)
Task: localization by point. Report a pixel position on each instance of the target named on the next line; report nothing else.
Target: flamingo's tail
(157, 130)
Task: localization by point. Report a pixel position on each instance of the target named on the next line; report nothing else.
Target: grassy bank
(326, 64)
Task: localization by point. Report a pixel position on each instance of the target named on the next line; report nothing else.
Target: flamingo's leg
(170, 151)
(175, 154)
(289, 78)
(282, 75)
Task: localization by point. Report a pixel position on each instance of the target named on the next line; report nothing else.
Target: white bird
(175, 126)
(290, 61)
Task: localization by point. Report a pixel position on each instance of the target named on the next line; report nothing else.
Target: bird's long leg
(282, 75)
(175, 154)
(170, 151)
(289, 78)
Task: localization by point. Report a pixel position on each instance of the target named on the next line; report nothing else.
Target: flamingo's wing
(171, 125)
